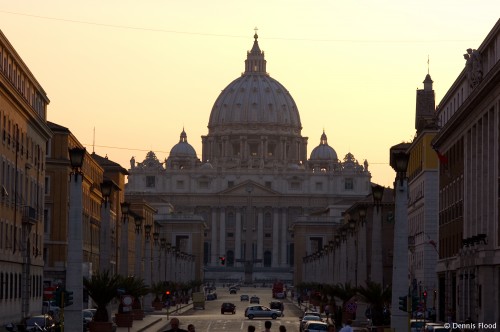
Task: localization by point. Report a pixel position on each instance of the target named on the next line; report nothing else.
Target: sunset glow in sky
(140, 71)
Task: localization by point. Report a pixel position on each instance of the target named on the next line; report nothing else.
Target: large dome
(255, 99)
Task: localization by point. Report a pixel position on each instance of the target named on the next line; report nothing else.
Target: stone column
(276, 233)
(237, 237)
(260, 235)
(284, 232)
(213, 245)
(376, 259)
(222, 234)
(138, 254)
(148, 299)
(124, 248)
(105, 236)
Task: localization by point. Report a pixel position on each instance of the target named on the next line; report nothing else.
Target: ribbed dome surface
(253, 99)
(323, 151)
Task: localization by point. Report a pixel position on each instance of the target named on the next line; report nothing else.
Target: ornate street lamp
(399, 161)
(106, 191)
(352, 226)
(362, 214)
(138, 223)
(156, 236)
(76, 156)
(147, 231)
(125, 209)
(378, 194)
(163, 242)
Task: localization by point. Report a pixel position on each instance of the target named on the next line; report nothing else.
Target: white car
(307, 319)
(315, 326)
(261, 311)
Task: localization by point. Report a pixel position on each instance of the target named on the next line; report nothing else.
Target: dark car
(254, 299)
(43, 321)
(227, 307)
(211, 296)
(233, 290)
(277, 305)
(244, 297)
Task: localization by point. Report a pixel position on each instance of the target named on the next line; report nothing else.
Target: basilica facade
(254, 180)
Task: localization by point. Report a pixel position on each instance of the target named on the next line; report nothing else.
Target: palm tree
(136, 288)
(344, 292)
(377, 297)
(102, 288)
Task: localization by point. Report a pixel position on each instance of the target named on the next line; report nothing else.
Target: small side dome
(206, 165)
(183, 148)
(323, 151)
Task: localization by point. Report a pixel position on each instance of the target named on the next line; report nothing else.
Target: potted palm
(102, 288)
(136, 288)
(157, 290)
(377, 297)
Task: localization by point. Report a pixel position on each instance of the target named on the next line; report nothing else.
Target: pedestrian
(282, 328)
(174, 326)
(267, 326)
(251, 328)
(331, 328)
(191, 328)
(347, 326)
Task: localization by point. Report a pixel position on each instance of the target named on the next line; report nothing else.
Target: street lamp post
(138, 246)
(147, 266)
(399, 161)
(155, 275)
(107, 187)
(377, 259)
(73, 321)
(125, 206)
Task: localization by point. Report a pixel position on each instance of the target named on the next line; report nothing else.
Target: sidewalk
(156, 320)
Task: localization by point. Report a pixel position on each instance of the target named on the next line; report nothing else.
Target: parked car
(277, 305)
(315, 326)
(50, 307)
(211, 296)
(227, 307)
(417, 325)
(254, 299)
(310, 313)
(88, 315)
(244, 297)
(233, 290)
(261, 311)
(307, 319)
(46, 322)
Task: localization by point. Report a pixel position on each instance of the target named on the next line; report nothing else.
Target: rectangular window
(319, 186)
(269, 184)
(180, 184)
(230, 234)
(295, 185)
(150, 181)
(203, 184)
(230, 184)
(46, 220)
(349, 184)
(47, 185)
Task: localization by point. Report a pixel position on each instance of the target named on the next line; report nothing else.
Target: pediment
(249, 187)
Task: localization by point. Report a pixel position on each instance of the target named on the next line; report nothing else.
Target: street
(211, 319)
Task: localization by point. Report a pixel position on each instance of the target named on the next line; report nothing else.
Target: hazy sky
(138, 71)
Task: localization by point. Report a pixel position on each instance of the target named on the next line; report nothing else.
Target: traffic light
(68, 298)
(414, 303)
(403, 303)
(57, 297)
(222, 260)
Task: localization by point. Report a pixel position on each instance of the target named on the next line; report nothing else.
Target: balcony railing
(30, 215)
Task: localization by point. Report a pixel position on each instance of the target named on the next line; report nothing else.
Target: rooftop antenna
(93, 141)
(427, 64)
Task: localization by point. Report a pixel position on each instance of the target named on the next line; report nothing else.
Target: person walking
(282, 328)
(191, 328)
(251, 328)
(174, 326)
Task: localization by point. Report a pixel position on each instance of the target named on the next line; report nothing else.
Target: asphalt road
(211, 320)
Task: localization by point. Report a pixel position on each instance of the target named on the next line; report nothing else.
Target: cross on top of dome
(255, 62)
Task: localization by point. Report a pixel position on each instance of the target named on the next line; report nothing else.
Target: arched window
(267, 258)
(231, 220)
(268, 220)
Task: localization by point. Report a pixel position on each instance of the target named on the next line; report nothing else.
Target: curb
(149, 325)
